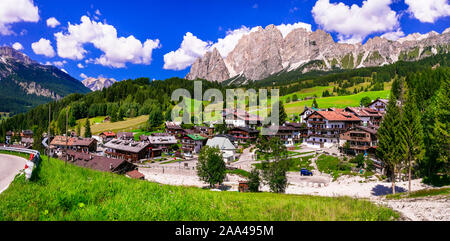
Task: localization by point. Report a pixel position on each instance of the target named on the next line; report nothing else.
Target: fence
(32, 162)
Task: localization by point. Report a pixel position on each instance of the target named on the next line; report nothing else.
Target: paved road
(9, 167)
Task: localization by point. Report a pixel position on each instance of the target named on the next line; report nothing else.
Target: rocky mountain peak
(265, 52)
(10, 53)
(98, 83)
(211, 67)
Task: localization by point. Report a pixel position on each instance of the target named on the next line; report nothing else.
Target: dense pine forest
(414, 137)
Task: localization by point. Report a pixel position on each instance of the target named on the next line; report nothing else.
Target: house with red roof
(324, 127)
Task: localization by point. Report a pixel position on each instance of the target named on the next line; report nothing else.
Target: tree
(390, 147)
(314, 104)
(155, 119)
(210, 166)
(254, 180)
(221, 128)
(294, 97)
(87, 129)
(282, 113)
(275, 166)
(79, 129)
(365, 101)
(412, 134)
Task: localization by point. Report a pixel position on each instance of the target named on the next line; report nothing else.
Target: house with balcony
(379, 104)
(325, 127)
(174, 129)
(244, 134)
(161, 141)
(193, 143)
(360, 139)
(240, 118)
(130, 150)
(107, 136)
(368, 116)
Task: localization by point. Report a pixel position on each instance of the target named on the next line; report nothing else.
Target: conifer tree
(390, 148)
(314, 104)
(282, 113)
(87, 129)
(412, 134)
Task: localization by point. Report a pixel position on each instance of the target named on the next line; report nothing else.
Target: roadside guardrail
(32, 161)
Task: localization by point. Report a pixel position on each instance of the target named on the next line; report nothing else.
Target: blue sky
(159, 27)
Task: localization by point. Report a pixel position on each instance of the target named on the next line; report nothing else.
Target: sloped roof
(336, 115)
(100, 163)
(197, 137)
(222, 143)
(162, 140)
(125, 145)
(135, 174)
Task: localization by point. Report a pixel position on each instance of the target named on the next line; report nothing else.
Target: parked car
(305, 172)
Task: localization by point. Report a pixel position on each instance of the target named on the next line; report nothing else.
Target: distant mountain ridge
(265, 52)
(98, 83)
(26, 83)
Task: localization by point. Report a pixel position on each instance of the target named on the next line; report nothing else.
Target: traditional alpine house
(244, 134)
(130, 150)
(324, 127)
(193, 143)
(361, 139)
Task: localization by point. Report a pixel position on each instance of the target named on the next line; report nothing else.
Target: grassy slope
(334, 101)
(128, 124)
(75, 193)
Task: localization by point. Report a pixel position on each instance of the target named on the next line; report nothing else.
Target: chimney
(110, 166)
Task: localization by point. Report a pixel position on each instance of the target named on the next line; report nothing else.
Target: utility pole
(48, 134)
(67, 131)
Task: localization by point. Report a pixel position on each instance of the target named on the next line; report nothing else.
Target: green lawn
(75, 193)
(332, 165)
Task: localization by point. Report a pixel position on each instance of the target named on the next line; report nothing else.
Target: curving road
(10, 166)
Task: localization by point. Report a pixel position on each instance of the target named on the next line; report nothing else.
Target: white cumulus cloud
(52, 22)
(285, 29)
(428, 11)
(79, 65)
(192, 47)
(14, 11)
(43, 47)
(82, 75)
(354, 23)
(117, 51)
(394, 35)
(17, 46)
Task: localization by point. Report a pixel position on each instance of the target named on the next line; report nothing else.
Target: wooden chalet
(324, 127)
(244, 134)
(193, 143)
(361, 139)
(107, 136)
(174, 129)
(130, 150)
